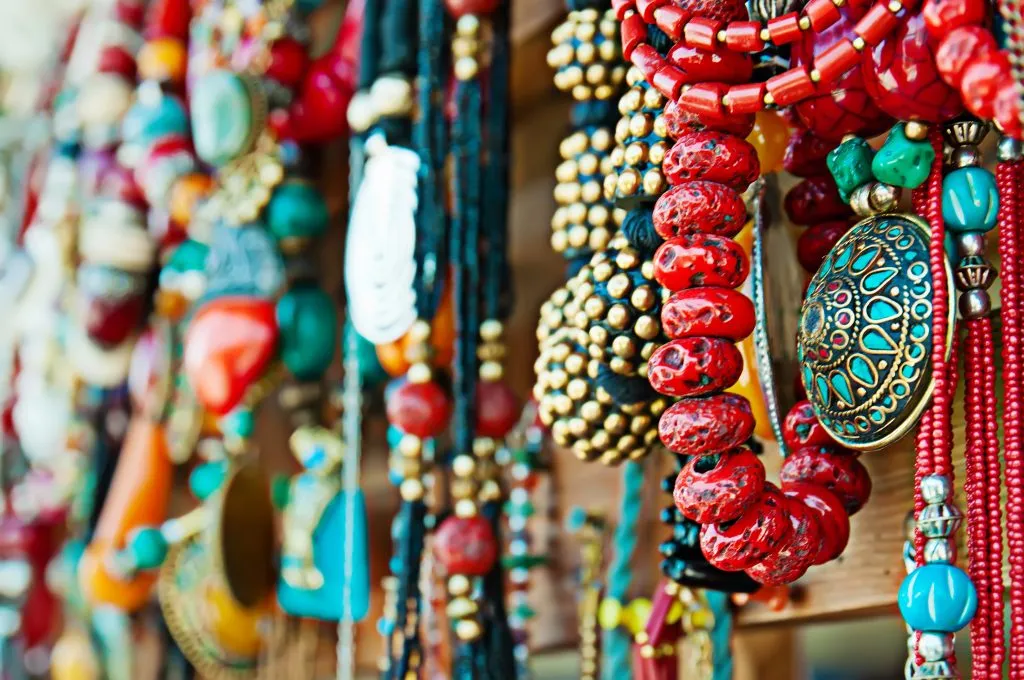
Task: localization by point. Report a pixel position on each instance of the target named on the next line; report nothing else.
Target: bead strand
(977, 521)
(994, 497)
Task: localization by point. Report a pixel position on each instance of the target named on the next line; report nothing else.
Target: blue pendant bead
(970, 200)
(937, 598)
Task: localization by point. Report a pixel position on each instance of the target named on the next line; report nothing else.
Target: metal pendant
(865, 336)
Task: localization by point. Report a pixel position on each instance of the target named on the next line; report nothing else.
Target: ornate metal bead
(971, 243)
(939, 521)
(939, 550)
(975, 304)
(974, 271)
(637, 176)
(965, 156)
(874, 198)
(935, 489)
(935, 646)
(965, 131)
(587, 56)
(1009, 149)
(864, 339)
(584, 221)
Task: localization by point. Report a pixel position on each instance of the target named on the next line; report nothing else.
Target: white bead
(935, 646)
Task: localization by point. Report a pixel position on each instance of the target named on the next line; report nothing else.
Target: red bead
(669, 81)
(712, 156)
(110, 319)
(647, 59)
(701, 32)
(790, 86)
(497, 408)
(466, 545)
(717, 64)
(130, 13)
(839, 472)
(835, 523)
(700, 260)
(981, 80)
(698, 427)
(742, 543)
(814, 244)
(744, 36)
(943, 16)
(620, 7)
(822, 14)
(671, 20)
(836, 60)
(168, 19)
(815, 199)
(876, 24)
(705, 99)
(318, 112)
(288, 62)
(679, 121)
(806, 154)
(716, 312)
(718, 10)
(746, 99)
(116, 60)
(420, 409)
(711, 489)
(459, 8)
(798, 550)
(784, 29)
(634, 33)
(962, 46)
(646, 8)
(1006, 109)
(693, 367)
(801, 427)
(699, 207)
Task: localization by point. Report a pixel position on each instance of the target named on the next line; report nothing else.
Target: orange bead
(186, 193)
(164, 60)
(392, 356)
(769, 137)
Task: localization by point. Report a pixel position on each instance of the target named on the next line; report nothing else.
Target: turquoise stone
(148, 121)
(296, 211)
(222, 117)
(903, 162)
(937, 598)
(148, 547)
(207, 478)
(970, 200)
(309, 326)
(850, 165)
(239, 423)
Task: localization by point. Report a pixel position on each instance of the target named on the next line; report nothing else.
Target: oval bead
(420, 409)
(829, 509)
(815, 199)
(222, 117)
(715, 312)
(943, 16)
(698, 427)
(308, 325)
(466, 545)
(712, 156)
(693, 260)
(497, 408)
(691, 367)
(702, 207)
(801, 428)
(814, 244)
(679, 121)
(970, 200)
(709, 491)
(745, 541)
(296, 212)
(798, 551)
(937, 598)
(720, 65)
(962, 46)
(839, 472)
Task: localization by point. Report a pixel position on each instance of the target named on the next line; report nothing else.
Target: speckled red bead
(465, 545)
(815, 199)
(715, 312)
(839, 472)
(835, 521)
(814, 244)
(802, 428)
(798, 551)
(679, 121)
(745, 541)
(692, 367)
(718, 10)
(701, 207)
(705, 425)
(420, 409)
(710, 490)
(713, 156)
(700, 259)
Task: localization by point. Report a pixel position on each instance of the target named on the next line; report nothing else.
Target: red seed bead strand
(993, 496)
(974, 487)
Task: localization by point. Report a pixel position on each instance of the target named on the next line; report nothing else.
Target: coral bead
(839, 472)
(460, 8)
(937, 598)
(720, 65)
(769, 138)
(802, 428)
(943, 16)
(835, 522)
(703, 207)
(679, 121)
(697, 427)
(420, 409)
(961, 47)
(798, 550)
(497, 408)
(717, 10)
(745, 541)
(712, 156)
(692, 260)
(711, 490)
(815, 199)
(980, 81)
(814, 244)
(691, 367)
(716, 312)
(466, 545)
(1006, 109)
(288, 62)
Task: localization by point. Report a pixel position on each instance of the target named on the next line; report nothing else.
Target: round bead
(700, 426)
(163, 60)
(497, 408)
(975, 303)
(1009, 149)
(712, 490)
(308, 324)
(716, 312)
(148, 547)
(939, 520)
(935, 646)
(712, 156)
(798, 549)
(936, 489)
(104, 99)
(937, 598)
(971, 244)
(806, 154)
(699, 206)
(769, 138)
(715, 10)
(296, 212)
(460, 8)
(745, 541)
(840, 473)
(288, 61)
(980, 81)
(814, 200)
(1006, 109)
(961, 47)
(691, 367)
(420, 409)
(835, 522)
(943, 16)
(970, 200)
(801, 428)
(700, 260)
(466, 545)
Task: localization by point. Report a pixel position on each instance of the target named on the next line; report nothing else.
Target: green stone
(222, 117)
(850, 165)
(309, 331)
(207, 478)
(903, 162)
(280, 491)
(296, 211)
(148, 547)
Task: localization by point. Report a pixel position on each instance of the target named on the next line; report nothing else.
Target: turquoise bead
(240, 423)
(903, 162)
(207, 478)
(148, 547)
(970, 200)
(222, 117)
(850, 165)
(296, 211)
(308, 324)
(148, 121)
(937, 598)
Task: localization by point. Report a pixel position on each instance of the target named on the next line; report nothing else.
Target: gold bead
(577, 389)
(559, 241)
(419, 374)
(591, 411)
(622, 132)
(640, 424)
(618, 317)
(586, 53)
(463, 465)
(579, 427)
(468, 630)
(599, 238)
(419, 331)
(630, 102)
(587, 164)
(603, 271)
(461, 608)
(598, 215)
(916, 130)
(657, 153)
(491, 371)
(653, 99)
(465, 47)
(660, 127)
(490, 490)
(624, 347)
(468, 25)
(484, 447)
(590, 192)
(411, 490)
(572, 76)
(463, 488)
(654, 182)
(643, 298)
(640, 125)
(636, 153)
(647, 270)
(466, 68)
(459, 585)
(601, 139)
(466, 508)
(609, 51)
(619, 285)
(611, 184)
(627, 259)
(601, 440)
(410, 445)
(575, 364)
(586, 31)
(634, 76)
(582, 93)
(567, 171)
(559, 56)
(647, 328)
(573, 145)
(620, 365)
(578, 236)
(595, 307)
(609, 27)
(629, 182)
(577, 213)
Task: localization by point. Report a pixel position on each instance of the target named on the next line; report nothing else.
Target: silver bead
(936, 489)
(974, 271)
(1009, 149)
(939, 521)
(874, 198)
(971, 243)
(975, 304)
(965, 156)
(939, 550)
(935, 646)
(966, 131)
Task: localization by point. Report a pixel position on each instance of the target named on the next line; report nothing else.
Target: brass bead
(602, 271)
(618, 317)
(618, 156)
(657, 153)
(640, 424)
(459, 585)
(620, 366)
(643, 298)
(560, 55)
(411, 490)
(591, 192)
(648, 349)
(492, 371)
(609, 51)
(466, 68)
(466, 508)
(627, 259)
(615, 423)
(626, 443)
(653, 99)
(587, 164)
(624, 347)
(410, 445)
(636, 153)
(647, 327)
(571, 77)
(647, 270)
(419, 331)
(622, 131)
(660, 127)
(467, 25)
(586, 31)
(630, 102)
(578, 426)
(603, 397)
(575, 364)
(598, 215)
(595, 307)
(461, 608)
(591, 410)
(567, 171)
(559, 241)
(567, 192)
(654, 182)
(658, 407)
(560, 432)
(463, 465)
(577, 213)
(609, 27)
(463, 488)
(619, 285)
(468, 630)
(599, 238)
(419, 374)
(490, 491)
(601, 440)
(634, 76)
(629, 182)
(573, 145)
(582, 93)
(484, 447)
(578, 236)
(641, 124)
(408, 467)
(601, 139)
(611, 186)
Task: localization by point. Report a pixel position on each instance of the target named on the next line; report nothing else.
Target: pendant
(864, 340)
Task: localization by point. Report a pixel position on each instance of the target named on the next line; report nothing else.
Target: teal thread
(721, 634)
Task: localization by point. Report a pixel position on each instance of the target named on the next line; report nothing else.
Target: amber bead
(705, 425)
(769, 138)
(186, 194)
(420, 409)
(838, 471)
(745, 541)
(691, 367)
(465, 545)
(164, 60)
(719, 489)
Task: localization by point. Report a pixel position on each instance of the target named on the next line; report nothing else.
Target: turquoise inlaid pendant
(865, 337)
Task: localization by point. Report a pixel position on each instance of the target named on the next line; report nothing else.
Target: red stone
(693, 260)
(288, 61)
(318, 112)
(1006, 109)
(720, 65)
(814, 244)
(715, 312)
(497, 408)
(835, 523)
(168, 19)
(801, 427)
(703, 207)
(680, 121)
(712, 156)
(711, 489)
(459, 8)
(466, 545)
(815, 199)
(980, 82)
(806, 153)
(420, 409)
(229, 343)
(943, 16)
(720, 10)
(901, 76)
(962, 46)
(701, 426)
(798, 550)
(692, 367)
(745, 541)
(839, 472)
